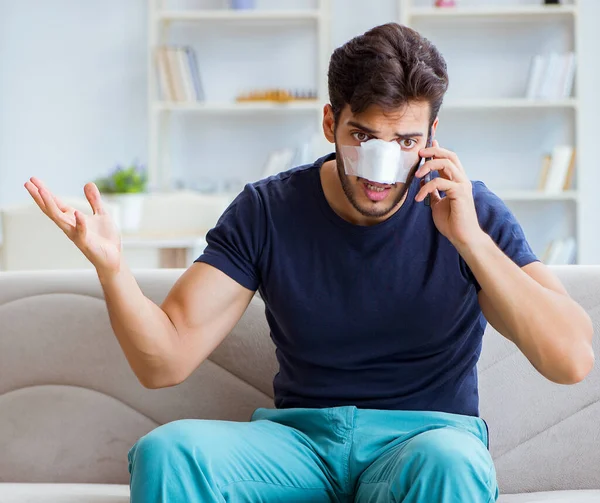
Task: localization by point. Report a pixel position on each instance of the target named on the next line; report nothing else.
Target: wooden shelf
(507, 103)
(494, 13)
(239, 15)
(532, 195)
(238, 108)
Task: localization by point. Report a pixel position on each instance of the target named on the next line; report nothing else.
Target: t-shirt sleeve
(235, 243)
(501, 225)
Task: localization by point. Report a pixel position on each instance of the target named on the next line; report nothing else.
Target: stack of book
(551, 76)
(178, 74)
(560, 252)
(558, 170)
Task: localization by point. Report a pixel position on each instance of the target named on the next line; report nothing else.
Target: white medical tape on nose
(378, 161)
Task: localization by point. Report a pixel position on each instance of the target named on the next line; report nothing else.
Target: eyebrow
(366, 129)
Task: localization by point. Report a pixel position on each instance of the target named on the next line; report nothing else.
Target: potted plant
(125, 187)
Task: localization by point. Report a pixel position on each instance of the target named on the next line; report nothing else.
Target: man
(375, 303)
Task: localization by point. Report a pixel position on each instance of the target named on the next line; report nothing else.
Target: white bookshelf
(525, 12)
(226, 15)
(457, 24)
(238, 108)
(508, 103)
(162, 20)
(532, 195)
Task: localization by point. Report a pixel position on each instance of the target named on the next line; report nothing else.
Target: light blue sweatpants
(340, 454)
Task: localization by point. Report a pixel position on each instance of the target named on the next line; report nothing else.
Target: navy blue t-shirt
(380, 317)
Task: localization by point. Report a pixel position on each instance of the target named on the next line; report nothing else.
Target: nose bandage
(378, 161)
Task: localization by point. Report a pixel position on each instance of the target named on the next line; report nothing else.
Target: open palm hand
(95, 235)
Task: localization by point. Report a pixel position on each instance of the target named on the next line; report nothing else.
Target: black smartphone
(427, 178)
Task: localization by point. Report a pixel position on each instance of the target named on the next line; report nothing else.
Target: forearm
(146, 334)
(552, 330)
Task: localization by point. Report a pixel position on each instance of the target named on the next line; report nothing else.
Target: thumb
(93, 196)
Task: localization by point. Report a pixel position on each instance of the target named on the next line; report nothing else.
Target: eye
(360, 136)
(407, 143)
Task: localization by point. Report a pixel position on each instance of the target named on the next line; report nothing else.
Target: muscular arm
(162, 344)
(530, 307)
(165, 344)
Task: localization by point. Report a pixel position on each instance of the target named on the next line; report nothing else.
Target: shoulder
(483, 195)
(285, 180)
(275, 195)
(287, 185)
(488, 204)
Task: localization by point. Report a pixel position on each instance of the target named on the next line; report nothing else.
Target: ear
(329, 123)
(434, 127)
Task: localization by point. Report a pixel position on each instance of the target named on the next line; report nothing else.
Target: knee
(165, 442)
(451, 452)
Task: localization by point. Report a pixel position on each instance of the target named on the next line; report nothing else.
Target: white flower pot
(130, 211)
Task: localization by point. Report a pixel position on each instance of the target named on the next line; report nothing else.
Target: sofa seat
(63, 493)
(99, 493)
(553, 497)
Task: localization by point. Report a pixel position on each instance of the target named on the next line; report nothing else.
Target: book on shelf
(551, 76)
(560, 252)
(178, 74)
(546, 163)
(164, 84)
(195, 73)
(558, 170)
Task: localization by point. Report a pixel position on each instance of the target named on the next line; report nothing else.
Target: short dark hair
(388, 66)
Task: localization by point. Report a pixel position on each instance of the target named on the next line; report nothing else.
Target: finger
(61, 206)
(53, 212)
(435, 143)
(439, 184)
(437, 152)
(445, 167)
(93, 196)
(435, 197)
(35, 194)
(37, 183)
(80, 225)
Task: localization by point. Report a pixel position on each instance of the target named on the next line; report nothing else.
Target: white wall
(589, 180)
(73, 98)
(72, 91)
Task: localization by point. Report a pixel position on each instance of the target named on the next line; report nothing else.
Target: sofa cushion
(63, 493)
(552, 497)
(98, 493)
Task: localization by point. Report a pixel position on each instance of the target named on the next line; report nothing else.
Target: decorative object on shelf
(558, 170)
(560, 252)
(445, 3)
(125, 187)
(178, 74)
(287, 158)
(551, 76)
(278, 96)
(243, 4)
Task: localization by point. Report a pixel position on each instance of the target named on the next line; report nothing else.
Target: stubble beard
(350, 193)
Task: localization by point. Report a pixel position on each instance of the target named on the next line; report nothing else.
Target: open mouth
(376, 188)
(375, 191)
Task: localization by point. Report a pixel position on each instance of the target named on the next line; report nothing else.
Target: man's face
(408, 126)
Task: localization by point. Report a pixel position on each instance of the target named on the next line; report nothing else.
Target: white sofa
(70, 407)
